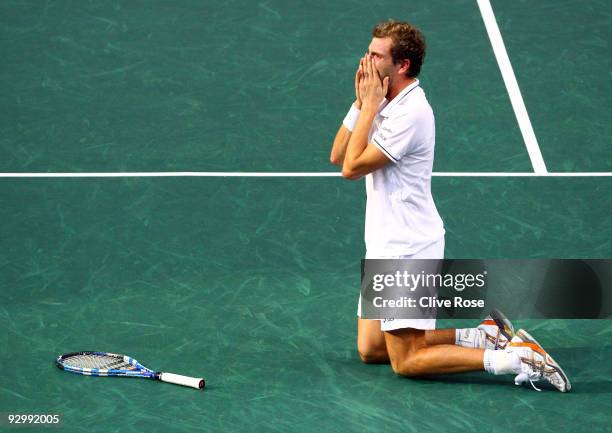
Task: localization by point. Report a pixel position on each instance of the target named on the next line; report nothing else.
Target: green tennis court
(252, 282)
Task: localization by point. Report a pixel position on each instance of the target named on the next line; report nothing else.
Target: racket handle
(192, 382)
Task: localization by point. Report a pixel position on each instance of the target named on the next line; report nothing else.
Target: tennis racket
(111, 364)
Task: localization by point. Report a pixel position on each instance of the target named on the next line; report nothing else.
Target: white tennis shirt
(401, 217)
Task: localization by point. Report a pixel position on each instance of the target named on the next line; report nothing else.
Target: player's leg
(411, 351)
(524, 356)
(440, 336)
(411, 355)
(373, 348)
(371, 342)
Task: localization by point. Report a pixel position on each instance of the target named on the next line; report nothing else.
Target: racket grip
(192, 382)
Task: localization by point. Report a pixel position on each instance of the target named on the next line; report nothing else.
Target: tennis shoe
(536, 363)
(498, 330)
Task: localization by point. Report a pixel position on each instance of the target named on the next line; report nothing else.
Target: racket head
(102, 364)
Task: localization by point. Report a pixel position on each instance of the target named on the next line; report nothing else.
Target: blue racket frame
(137, 370)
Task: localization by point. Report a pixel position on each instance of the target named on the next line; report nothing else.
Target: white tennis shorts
(433, 251)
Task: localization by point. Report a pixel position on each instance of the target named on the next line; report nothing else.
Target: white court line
(289, 174)
(521, 174)
(176, 174)
(516, 99)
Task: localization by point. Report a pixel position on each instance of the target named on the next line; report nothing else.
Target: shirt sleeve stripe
(381, 147)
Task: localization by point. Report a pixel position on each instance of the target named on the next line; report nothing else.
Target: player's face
(380, 49)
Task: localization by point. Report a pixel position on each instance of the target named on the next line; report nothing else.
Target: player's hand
(372, 89)
(358, 75)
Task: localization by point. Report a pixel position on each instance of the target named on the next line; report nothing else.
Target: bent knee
(408, 367)
(373, 357)
(371, 354)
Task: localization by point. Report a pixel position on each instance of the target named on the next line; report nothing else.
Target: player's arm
(343, 136)
(362, 157)
(344, 132)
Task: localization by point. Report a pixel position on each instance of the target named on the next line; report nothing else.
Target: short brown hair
(408, 43)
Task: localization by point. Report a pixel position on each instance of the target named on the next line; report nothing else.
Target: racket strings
(102, 362)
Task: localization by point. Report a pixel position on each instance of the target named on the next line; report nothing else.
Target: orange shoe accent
(533, 346)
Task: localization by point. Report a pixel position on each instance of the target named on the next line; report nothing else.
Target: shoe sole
(527, 338)
(502, 322)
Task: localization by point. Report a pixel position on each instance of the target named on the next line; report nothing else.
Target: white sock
(470, 337)
(501, 362)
